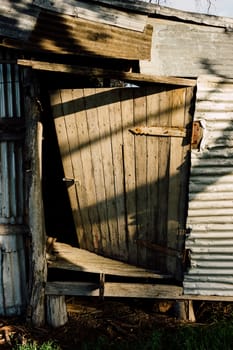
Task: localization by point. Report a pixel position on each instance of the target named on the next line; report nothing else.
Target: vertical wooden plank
(2, 309)
(117, 125)
(127, 108)
(56, 310)
(104, 120)
(152, 173)
(81, 155)
(36, 311)
(61, 102)
(141, 173)
(93, 98)
(92, 168)
(176, 158)
(68, 141)
(185, 165)
(184, 176)
(164, 151)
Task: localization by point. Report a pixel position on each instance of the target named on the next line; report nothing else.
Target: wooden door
(125, 156)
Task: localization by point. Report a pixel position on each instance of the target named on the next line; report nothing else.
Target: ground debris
(90, 319)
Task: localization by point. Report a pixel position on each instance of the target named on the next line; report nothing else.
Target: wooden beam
(128, 290)
(112, 289)
(106, 73)
(158, 10)
(56, 311)
(96, 13)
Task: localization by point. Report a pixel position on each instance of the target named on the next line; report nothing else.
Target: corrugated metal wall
(12, 254)
(11, 175)
(210, 214)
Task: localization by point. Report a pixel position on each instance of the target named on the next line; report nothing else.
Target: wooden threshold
(71, 258)
(106, 73)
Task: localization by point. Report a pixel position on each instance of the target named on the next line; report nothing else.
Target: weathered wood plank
(155, 9)
(76, 259)
(36, 224)
(117, 126)
(104, 122)
(63, 34)
(140, 173)
(81, 155)
(70, 164)
(100, 72)
(176, 158)
(56, 310)
(95, 13)
(163, 161)
(152, 172)
(111, 289)
(128, 154)
(128, 290)
(89, 169)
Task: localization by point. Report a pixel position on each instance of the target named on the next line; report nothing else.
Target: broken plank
(76, 259)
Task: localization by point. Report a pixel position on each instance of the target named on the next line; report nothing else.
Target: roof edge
(154, 9)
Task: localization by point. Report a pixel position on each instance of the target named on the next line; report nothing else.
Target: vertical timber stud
(38, 267)
(184, 311)
(56, 310)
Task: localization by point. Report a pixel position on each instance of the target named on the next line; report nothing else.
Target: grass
(50, 345)
(217, 336)
(215, 333)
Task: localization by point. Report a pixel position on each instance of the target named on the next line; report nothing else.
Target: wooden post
(56, 310)
(38, 266)
(185, 311)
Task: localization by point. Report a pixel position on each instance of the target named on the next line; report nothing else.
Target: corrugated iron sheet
(11, 153)
(210, 213)
(12, 274)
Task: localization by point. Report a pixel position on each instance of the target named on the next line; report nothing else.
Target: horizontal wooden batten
(13, 229)
(100, 72)
(128, 290)
(159, 131)
(113, 289)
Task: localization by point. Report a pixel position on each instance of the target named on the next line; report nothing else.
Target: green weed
(50, 345)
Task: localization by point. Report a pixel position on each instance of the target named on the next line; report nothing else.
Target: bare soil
(116, 320)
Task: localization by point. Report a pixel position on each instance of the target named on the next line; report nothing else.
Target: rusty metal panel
(210, 213)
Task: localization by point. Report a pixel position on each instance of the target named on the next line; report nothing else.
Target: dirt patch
(114, 320)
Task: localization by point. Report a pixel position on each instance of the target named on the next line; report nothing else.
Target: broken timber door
(125, 153)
